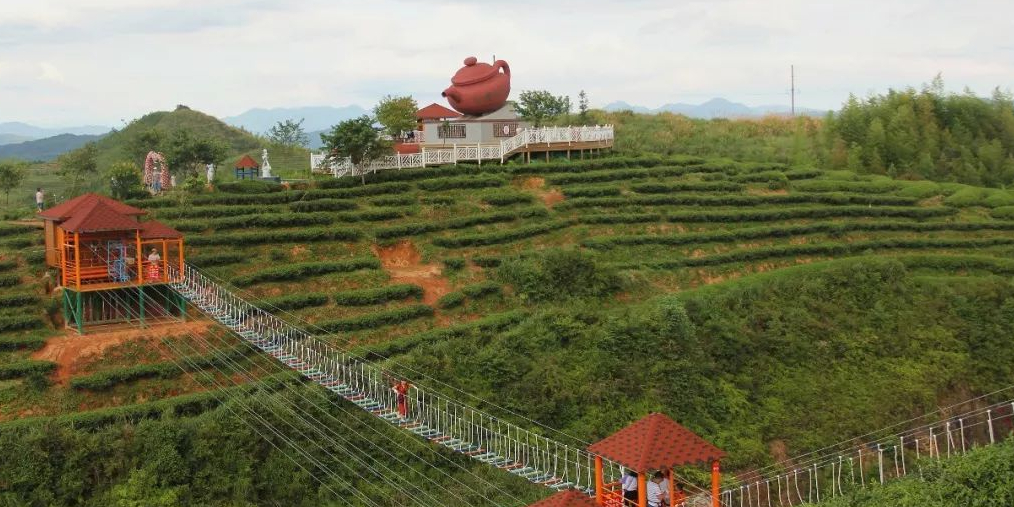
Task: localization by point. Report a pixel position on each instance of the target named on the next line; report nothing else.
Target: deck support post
(80, 314)
(140, 300)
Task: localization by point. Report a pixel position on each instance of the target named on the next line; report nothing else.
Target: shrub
(803, 174)
(486, 261)
(483, 181)
(557, 274)
(486, 326)
(213, 211)
(22, 342)
(451, 300)
(437, 200)
(735, 200)
(920, 189)
(376, 296)
(24, 368)
(371, 215)
(482, 289)
(996, 198)
(11, 229)
(765, 215)
(686, 186)
(8, 264)
(454, 264)
(217, 259)
(760, 177)
(968, 196)
(863, 187)
(17, 322)
(591, 191)
(35, 257)
(412, 229)
(400, 200)
(171, 369)
(322, 205)
(377, 319)
(249, 187)
(294, 301)
(500, 237)
(368, 190)
(504, 198)
(299, 270)
(1002, 212)
(17, 300)
(277, 236)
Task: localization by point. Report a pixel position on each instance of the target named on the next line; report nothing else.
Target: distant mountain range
(15, 131)
(46, 149)
(714, 108)
(315, 118)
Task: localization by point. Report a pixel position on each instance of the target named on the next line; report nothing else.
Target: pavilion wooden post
(599, 486)
(165, 262)
(77, 259)
(642, 489)
(716, 476)
(672, 486)
(137, 261)
(181, 258)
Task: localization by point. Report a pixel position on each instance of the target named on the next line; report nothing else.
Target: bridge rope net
(311, 428)
(430, 415)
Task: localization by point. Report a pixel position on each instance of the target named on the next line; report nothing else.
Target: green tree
(138, 146)
(79, 166)
(186, 154)
(125, 180)
(396, 114)
(582, 106)
(356, 139)
(12, 173)
(289, 133)
(539, 106)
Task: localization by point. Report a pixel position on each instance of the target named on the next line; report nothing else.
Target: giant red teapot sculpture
(479, 88)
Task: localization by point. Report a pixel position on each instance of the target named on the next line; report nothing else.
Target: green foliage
(413, 229)
(736, 200)
(17, 300)
(377, 319)
(502, 236)
(504, 198)
(486, 261)
(454, 264)
(322, 205)
(789, 213)
(591, 191)
(298, 270)
(396, 114)
(79, 166)
(18, 321)
(24, 368)
(685, 186)
(12, 173)
(22, 343)
(356, 139)
(294, 301)
(258, 220)
(482, 289)
(125, 181)
(186, 152)
(540, 106)
(379, 295)
(12, 230)
(462, 182)
(249, 187)
(553, 275)
(107, 379)
(451, 300)
(862, 187)
(289, 133)
(216, 259)
(277, 236)
(482, 327)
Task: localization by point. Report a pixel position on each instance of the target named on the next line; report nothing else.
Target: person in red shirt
(401, 388)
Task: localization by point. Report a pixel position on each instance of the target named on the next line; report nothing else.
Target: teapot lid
(473, 72)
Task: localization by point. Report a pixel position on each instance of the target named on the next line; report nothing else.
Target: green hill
(773, 309)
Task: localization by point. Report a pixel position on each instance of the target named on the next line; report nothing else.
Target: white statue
(209, 172)
(265, 165)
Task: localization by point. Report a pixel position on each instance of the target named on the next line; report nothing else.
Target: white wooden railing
(550, 136)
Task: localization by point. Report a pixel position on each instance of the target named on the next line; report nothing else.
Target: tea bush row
(863, 187)
(8, 264)
(17, 300)
(379, 295)
(24, 368)
(580, 166)
(832, 228)
(277, 236)
(500, 237)
(294, 301)
(687, 186)
(489, 325)
(591, 191)
(322, 205)
(473, 291)
(505, 198)
(13, 230)
(736, 200)
(377, 319)
(171, 369)
(22, 343)
(216, 259)
(413, 229)
(452, 183)
(18, 322)
(300, 270)
(213, 211)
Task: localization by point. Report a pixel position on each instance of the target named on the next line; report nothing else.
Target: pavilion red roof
(435, 111)
(98, 216)
(656, 442)
(568, 498)
(82, 203)
(153, 229)
(247, 163)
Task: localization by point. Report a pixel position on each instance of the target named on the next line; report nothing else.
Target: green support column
(140, 299)
(66, 306)
(80, 315)
(182, 302)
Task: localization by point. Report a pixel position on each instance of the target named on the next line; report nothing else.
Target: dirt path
(71, 352)
(404, 263)
(537, 185)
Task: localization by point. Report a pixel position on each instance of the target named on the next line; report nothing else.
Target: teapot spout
(451, 93)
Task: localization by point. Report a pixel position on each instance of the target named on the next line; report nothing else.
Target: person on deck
(153, 267)
(679, 497)
(629, 486)
(655, 496)
(400, 389)
(40, 198)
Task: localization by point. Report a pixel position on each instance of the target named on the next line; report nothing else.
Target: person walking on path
(40, 198)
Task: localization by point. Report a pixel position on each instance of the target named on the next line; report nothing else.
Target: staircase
(434, 417)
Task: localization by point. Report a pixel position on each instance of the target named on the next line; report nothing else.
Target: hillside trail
(71, 352)
(403, 263)
(549, 197)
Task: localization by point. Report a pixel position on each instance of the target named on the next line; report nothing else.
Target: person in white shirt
(629, 486)
(656, 496)
(40, 198)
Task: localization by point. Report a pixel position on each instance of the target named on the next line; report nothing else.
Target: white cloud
(224, 56)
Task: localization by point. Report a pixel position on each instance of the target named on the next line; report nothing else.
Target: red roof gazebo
(655, 442)
(435, 111)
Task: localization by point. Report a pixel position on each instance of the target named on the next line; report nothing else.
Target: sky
(71, 62)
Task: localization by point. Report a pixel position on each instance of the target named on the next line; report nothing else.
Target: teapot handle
(500, 64)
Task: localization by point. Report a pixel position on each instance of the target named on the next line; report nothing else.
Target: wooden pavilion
(247, 168)
(98, 244)
(653, 443)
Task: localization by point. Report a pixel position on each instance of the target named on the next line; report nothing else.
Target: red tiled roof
(247, 163)
(656, 442)
(435, 111)
(153, 229)
(67, 209)
(569, 498)
(98, 216)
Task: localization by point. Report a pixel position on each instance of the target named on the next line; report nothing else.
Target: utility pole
(792, 77)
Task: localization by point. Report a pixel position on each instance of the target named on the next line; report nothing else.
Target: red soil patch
(404, 264)
(533, 183)
(552, 198)
(549, 198)
(71, 352)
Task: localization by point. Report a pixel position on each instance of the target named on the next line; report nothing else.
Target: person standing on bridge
(655, 496)
(629, 486)
(400, 389)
